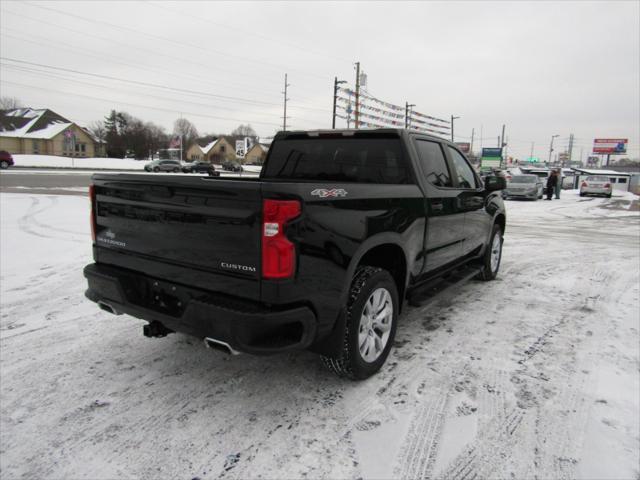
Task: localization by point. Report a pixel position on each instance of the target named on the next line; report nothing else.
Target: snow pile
(67, 162)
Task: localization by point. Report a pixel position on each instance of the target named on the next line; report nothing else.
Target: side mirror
(493, 183)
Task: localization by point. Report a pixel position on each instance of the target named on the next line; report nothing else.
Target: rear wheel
(370, 327)
(582, 194)
(4, 164)
(609, 196)
(492, 256)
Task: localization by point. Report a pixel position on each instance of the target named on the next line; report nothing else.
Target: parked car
(596, 185)
(163, 166)
(318, 253)
(524, 186)
(542, 173)
(6, 160)
(231, 166)
(200, 166)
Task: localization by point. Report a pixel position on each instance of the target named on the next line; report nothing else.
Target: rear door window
(362, 160)
(434, 163)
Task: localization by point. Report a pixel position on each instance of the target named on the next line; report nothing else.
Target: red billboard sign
(464, 147)
(610, 145)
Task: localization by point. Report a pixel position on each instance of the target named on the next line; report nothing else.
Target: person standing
(558, 183)
(552, 181)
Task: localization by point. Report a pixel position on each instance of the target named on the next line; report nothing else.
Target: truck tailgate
(199, 231)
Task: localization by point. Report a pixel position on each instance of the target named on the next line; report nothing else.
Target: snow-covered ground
(86, 163)
(93, 163)
(534, 375)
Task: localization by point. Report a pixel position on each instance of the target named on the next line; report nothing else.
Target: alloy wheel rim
(375, 325)
(496, 251)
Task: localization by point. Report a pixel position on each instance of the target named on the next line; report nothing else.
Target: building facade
(44, 132)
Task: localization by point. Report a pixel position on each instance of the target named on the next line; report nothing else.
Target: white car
(596, 185)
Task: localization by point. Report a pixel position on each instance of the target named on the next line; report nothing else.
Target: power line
(134, 104)
(170, 40)
(148, 84)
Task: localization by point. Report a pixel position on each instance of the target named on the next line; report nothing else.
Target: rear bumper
(515, 194)
(246, 326)
(595, 191)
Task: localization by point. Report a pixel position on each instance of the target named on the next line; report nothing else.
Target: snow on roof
(31, 123)
(209, 146)
(595, 171)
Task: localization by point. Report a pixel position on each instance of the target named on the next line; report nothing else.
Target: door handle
(437, 206)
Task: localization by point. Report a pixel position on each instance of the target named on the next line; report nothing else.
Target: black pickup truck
(318, 253)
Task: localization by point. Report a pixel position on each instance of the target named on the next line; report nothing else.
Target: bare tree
(9, 103)
(244, 131)
(186, 130)
(98, 130)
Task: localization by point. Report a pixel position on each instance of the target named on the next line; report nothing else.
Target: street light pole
(551, 147)
(452, 119)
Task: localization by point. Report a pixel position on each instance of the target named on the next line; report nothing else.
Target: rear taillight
(92, 199)
(278, 253)
(585, 184)
(607, 185)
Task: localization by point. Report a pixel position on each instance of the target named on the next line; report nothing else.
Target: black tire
(609, 196)
(156, 169)
(4, 164)
(176, 170)
(582, 194)
(488, 273)
(350, 363)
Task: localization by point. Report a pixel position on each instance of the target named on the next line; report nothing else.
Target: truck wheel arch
(385, 252)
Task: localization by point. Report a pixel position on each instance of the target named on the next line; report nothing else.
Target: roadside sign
(491, 157)
(240, 148)
(611, 146)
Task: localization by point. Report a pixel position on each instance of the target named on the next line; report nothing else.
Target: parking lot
(534, 375)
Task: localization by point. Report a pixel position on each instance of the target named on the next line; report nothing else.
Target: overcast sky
(541, 68)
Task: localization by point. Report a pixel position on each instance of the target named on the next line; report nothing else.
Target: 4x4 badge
(334, 192)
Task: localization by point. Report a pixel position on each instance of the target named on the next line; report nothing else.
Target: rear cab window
(363, 159)
(433, 163)
(465, 175)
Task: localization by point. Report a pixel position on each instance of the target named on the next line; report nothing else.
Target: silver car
(524, 186)
(596, 185)
(163, 166)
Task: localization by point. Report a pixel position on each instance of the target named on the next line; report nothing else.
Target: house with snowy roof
(216, 151)
(44, 132)
(257, 154)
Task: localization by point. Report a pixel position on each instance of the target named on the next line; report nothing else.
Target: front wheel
(4, 164)
(156, 169)
(370, 326)
(492, 256)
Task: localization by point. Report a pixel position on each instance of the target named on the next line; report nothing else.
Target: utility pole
(473, 130)
(505, 145)
(286, 85)
(452, 119)
(551, 147)
(357, 114)
(336, 82)
(481, 139)
(407, 107)
(532, 144)
(581, 150)
(570, 148)
(502, 145)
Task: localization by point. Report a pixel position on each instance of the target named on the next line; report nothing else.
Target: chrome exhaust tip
(220, 345)
(107, 307)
